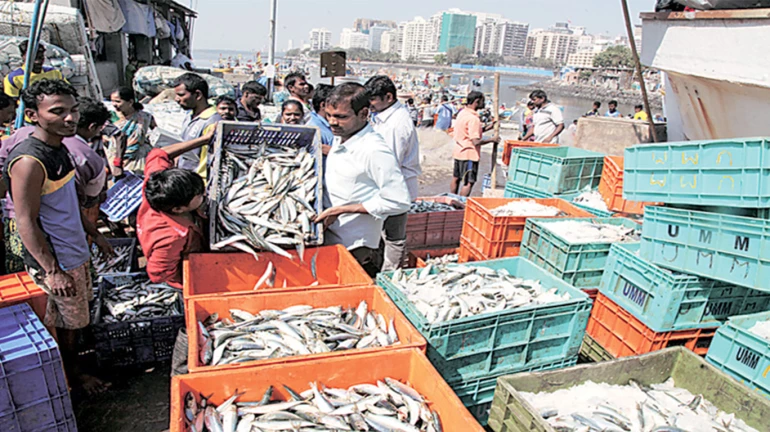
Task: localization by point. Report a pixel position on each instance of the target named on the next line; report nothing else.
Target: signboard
(333, 64)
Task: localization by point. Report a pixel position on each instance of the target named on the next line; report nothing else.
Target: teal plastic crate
(594, 211)
(581, 265)
(513, 190)
(555, 170)
(741, 354)
(495, 343)
(477, 395)
(667, 301)
(732, 172)
(731, 249)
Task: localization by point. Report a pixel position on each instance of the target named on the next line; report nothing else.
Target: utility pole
(271, 53)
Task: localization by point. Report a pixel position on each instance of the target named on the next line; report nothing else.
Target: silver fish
(120, 263)
(297, 330)
(430, 206)
(140, 300)
(360, 407)
(445, 293)
(632, 408)
(266, 196)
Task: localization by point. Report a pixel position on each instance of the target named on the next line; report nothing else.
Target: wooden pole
(496, 107)
(638, 66)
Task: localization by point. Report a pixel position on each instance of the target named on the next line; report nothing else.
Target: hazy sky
(244, 24)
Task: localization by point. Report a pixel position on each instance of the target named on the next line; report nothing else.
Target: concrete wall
(109, 75)
(612, 136)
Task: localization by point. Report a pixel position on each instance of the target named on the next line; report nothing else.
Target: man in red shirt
(170, 221)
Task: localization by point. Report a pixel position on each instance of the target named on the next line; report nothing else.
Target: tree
(293, 52)
(440, 59)
(615, 56)
(586, 75)
(457, 54)
(489, 60)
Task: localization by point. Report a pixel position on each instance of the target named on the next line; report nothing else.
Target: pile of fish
(526, 208)
(296, 330)
(579, 232)
(430, 206)
(459, 291)
(387, 406)
(593, 199)
(138, 300)
(120, 263)
(443, 260)
(761, 329)
(632, 408)
(266, 198)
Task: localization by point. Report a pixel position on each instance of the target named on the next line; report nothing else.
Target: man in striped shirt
(15, 80)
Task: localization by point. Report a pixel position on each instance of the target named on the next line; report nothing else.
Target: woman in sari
(130, 147)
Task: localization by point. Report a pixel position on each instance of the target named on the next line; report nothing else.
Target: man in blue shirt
(446, 112)
(318, 116)
(613, 109)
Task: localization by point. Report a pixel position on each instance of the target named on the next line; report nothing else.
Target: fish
(265, 197)
(524, 207)
(139, 300)
(359, 407)
(297, 330)
(429, 207)
(580, 232)
(445, 293)
(442, 260)
(631, 408)
(119, 263)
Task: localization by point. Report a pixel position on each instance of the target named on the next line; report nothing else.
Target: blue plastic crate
(555, 170)
(581, 265)
(741, 354)
(496, 343)
(731, 249)
(731, 172)
(123, 198)
(33, 390)
(667, 301)
(477, 395)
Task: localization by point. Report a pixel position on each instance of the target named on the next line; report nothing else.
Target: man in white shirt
(548, 120)
(364, 183)
(391, 119)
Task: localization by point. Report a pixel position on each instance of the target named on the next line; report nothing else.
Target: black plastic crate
(133, 264)
(138, 342)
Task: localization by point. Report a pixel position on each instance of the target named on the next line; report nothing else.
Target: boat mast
(271, 55)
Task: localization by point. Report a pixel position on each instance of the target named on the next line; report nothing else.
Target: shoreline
(624, 97)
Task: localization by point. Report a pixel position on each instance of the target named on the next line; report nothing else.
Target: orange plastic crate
(591, 292)
(18, 288)
(611, 188)
(622, 335)
(198, 309)
(511, 144)
(500, 236)
(225, 274)
(416, 258)
(407, 366)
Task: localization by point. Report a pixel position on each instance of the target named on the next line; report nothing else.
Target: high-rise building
(375, 37)
(555, 44)
(320, 39)
(417, 38)
(457, 29)
(350, 38)
(501, 37)
(389, 42)
(581, 59)
(364, 25)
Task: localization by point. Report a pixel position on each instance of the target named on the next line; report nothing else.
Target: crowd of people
(57, 169)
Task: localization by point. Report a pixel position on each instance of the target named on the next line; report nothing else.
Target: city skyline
(296, 20)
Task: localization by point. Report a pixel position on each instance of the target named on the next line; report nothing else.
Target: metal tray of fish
(502, 326)
(266, 187)
(646, 376)
(139, 325)
(125, 261)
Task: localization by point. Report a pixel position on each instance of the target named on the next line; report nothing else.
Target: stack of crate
(703, 257)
